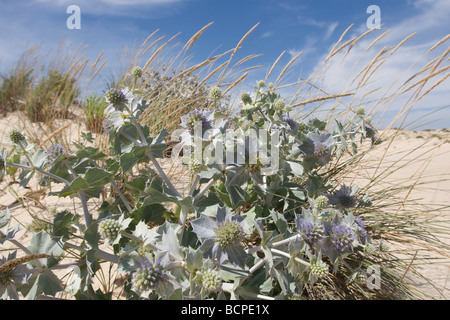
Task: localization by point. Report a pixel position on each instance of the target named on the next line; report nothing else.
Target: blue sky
(285, 25)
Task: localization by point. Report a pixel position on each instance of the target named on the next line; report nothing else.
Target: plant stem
(100, 253)
(282, 253)
(276, 251)
(87, 215)
(285, 241)
(26, 154)
(126, 135)
(121, 196)
(161, 172)
(51, 175)
(20, 246)
(257, 265)
(24, 249)
(117, 189)
(194, 185)
(162, 175)
(204, 189)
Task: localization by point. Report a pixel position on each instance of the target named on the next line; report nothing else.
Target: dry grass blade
(317, 99)
(425, 79)
(235, 50)
(273, 66)
(440, 42)
(149, 61)
(287, 67)
(242, 78)
(195, 37)
(334, 51)
(378, 39)
(442, 79)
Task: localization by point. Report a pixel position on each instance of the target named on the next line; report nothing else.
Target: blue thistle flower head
(341, 237)
(311, 229)
(204, 117)
(148, 276)
(222, 237)
(55, 151)
(322, 150)
(323, 144)
(343, 198)
(115, 97)
(311, 232)
(291, 123)
(360, 222)
(318, 147)
(361, 230)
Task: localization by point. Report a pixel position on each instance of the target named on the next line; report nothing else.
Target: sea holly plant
(261, 220)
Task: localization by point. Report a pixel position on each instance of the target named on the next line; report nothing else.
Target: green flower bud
(246, 98)
(16, 136)
(319, 268)
(142, 250)
(215, 93)
(229, 233)
(287, 108)
(137, 72)
(321, 202)
(369, 248)
(383, 247)
(361, 111)
(195, 165)
(360, 277)
(261, 83)
(109, 229)
(279, 104)
(211, 280)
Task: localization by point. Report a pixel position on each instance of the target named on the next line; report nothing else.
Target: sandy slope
(419, 158)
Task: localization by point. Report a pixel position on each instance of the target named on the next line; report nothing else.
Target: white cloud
(312, 22)
(267, 34)
(330, 30)
(109, 2)
(431, 25)
(116, 7)
(388, 79)
(307, 48)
